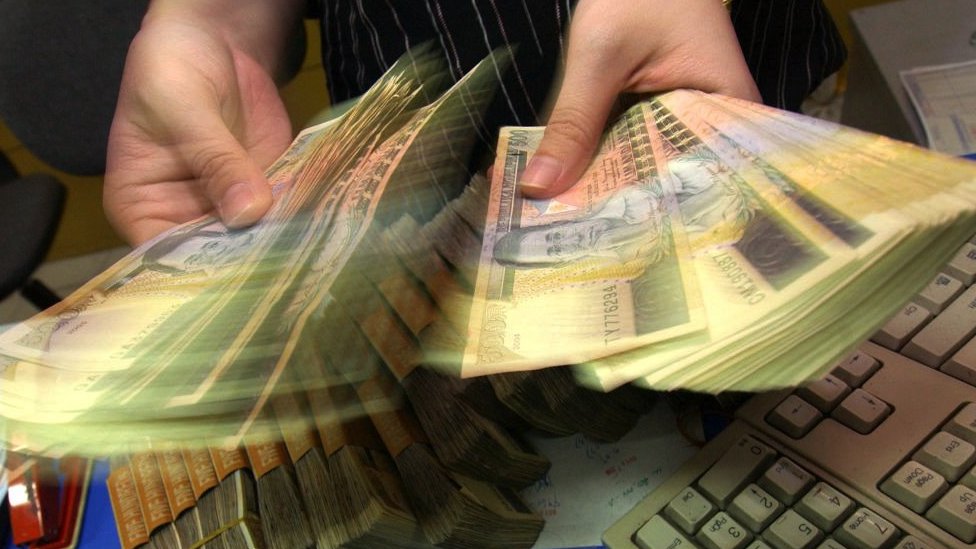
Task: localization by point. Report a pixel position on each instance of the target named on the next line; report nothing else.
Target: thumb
(231, 179)
(573, 131)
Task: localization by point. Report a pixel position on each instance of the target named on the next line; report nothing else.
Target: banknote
(216, 345)
(921, 173)
(899, 231)
(833, 234)
(757, 256)
(599, 269)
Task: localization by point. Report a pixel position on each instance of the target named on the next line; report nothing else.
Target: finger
(573, 131)
(230, 178)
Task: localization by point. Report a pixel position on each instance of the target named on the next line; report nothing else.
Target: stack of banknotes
(398, 456)
(712, 245)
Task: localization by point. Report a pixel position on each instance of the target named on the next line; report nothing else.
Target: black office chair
(30, 209)
(60, 67)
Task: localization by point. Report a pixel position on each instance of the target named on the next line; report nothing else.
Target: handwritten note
(592, 484)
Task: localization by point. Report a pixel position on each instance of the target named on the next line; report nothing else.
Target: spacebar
(946, 333)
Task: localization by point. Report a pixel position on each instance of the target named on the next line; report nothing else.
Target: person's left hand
(631, 46)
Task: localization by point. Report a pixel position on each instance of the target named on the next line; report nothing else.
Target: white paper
(944, 96)
(591, 484)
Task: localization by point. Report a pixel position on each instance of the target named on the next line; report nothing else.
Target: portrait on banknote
(619, 230)
(603, 265)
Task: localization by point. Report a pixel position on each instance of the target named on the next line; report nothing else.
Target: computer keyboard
(880, 453)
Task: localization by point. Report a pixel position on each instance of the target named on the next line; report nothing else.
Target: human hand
(634, 46)
(198, 118)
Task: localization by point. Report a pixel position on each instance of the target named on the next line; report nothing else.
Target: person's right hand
(637, 47)
(198, 118)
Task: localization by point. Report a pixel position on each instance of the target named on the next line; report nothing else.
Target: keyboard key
(962, 365)
(722, 532)
(824, 393)
(963, 423)
(861, 411)
(792, 531)
(936, 342)
(963, 265)
(826, 506)
(689, 510)
(755, 508)
(915, 486)
(940, 292)
(911, 542)
(786, 481)
(969, 479)
(903, 326)
(830, 543)
(856, 369)
(955, 513)
(867, 529)
(947, 454)
(658, 534)
(758, 544)
(794, 416)
(735, 469)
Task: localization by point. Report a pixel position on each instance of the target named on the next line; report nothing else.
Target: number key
(736, 468)
(867, 529)
(755, 508)
(722, 532)
(793, 531)
(825, 506)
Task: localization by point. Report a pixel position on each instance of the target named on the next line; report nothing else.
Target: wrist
(259, 29)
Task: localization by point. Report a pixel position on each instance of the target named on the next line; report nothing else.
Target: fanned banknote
(191, 332)
(599, 269)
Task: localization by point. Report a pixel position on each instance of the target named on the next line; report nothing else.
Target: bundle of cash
(186, 338)
(355, 369)
(713, 244)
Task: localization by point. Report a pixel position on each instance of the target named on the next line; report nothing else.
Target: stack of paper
(714, 244)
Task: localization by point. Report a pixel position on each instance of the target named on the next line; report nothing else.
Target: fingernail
(541, 173)
(235, 205)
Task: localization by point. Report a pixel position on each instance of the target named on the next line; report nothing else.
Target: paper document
(944, 96)
(592, 484)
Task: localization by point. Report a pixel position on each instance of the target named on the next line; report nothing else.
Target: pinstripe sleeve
(789, 45)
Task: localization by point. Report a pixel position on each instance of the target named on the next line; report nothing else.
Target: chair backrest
(60, 68)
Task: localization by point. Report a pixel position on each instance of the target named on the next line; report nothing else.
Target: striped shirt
(789, 45)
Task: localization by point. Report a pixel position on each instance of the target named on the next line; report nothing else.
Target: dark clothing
(790, 45)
